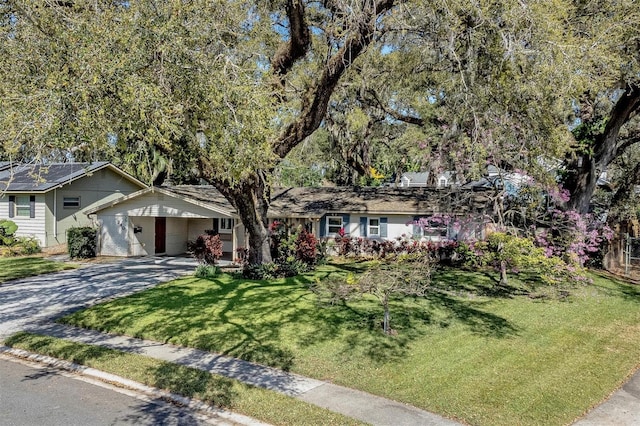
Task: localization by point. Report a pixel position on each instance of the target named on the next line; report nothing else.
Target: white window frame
(436, 232)
(373, 230)
(22, 206)
(442, 182)
(71, 203)
(329, 226)
(226, 225)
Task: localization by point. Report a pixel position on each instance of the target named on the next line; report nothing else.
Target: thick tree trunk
(251, 199)
(581, 182)
(584, 171)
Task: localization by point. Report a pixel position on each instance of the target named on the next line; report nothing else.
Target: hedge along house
(161, 220)
(45, 200)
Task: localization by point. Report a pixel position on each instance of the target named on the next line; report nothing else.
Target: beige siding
(198, 227)
(102, 186)
(158, 205)
(113, 236)
(27, 227)
(177, 231)
(142, 243)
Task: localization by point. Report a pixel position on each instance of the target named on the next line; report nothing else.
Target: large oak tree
(233, 85)
(227, 89)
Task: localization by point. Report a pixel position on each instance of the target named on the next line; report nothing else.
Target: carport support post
(234, 239)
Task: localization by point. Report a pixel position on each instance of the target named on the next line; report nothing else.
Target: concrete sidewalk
(352, 403)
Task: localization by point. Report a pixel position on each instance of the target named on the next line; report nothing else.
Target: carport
(161, 220)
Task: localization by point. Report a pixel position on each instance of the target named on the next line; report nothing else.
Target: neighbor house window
(334, 224)
(23, 206)
(71, 202)
(442, 182)
(374, 227)
(226, 224)
(432, 229)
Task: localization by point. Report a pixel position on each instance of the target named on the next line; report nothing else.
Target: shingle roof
(204, 194)
(315, 202)
(43, 178)
(305, 202)
(416, 178)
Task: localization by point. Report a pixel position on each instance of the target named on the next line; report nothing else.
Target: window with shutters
(23, 206)
(374, 227)
(334, 225)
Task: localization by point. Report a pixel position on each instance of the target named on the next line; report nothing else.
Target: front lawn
(12, 268)
(470, 349)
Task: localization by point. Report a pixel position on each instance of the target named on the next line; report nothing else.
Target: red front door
(161, 235)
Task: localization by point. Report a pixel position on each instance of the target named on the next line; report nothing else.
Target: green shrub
(264, 271)
(27, 245)
(207, 271)
(7, 229)
(82, 242)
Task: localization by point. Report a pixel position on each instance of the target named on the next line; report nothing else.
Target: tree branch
(314, 105)
(605, 148)
(410, 119)
(299, 40)
(626, 143)
(626, 187)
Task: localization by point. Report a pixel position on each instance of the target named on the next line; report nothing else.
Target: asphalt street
(31, 396)
(45, 397)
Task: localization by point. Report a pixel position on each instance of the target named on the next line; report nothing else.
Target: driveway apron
(29, 301)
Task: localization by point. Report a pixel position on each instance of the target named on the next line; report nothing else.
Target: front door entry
(161, 235)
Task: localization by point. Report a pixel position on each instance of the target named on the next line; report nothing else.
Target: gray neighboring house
(46, 200)
(161, 220)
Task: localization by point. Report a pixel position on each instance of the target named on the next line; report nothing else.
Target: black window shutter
(32, 206)
(323, 226)
(12, 205)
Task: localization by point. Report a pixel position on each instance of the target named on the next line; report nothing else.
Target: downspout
(55, 214)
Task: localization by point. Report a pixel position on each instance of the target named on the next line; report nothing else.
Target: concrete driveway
(31, 300)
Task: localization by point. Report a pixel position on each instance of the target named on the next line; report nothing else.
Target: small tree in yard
(387, 280)
(509, 252)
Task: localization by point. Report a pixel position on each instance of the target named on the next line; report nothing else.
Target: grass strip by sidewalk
(265, 405)
(12, 268)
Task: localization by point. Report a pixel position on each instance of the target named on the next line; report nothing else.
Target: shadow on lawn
(252, 320)
(620, 287)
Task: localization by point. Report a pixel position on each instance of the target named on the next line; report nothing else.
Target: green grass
(470, 349)
(222, 392)
(12, 268)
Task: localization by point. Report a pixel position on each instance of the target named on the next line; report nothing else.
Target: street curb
(121, 382)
